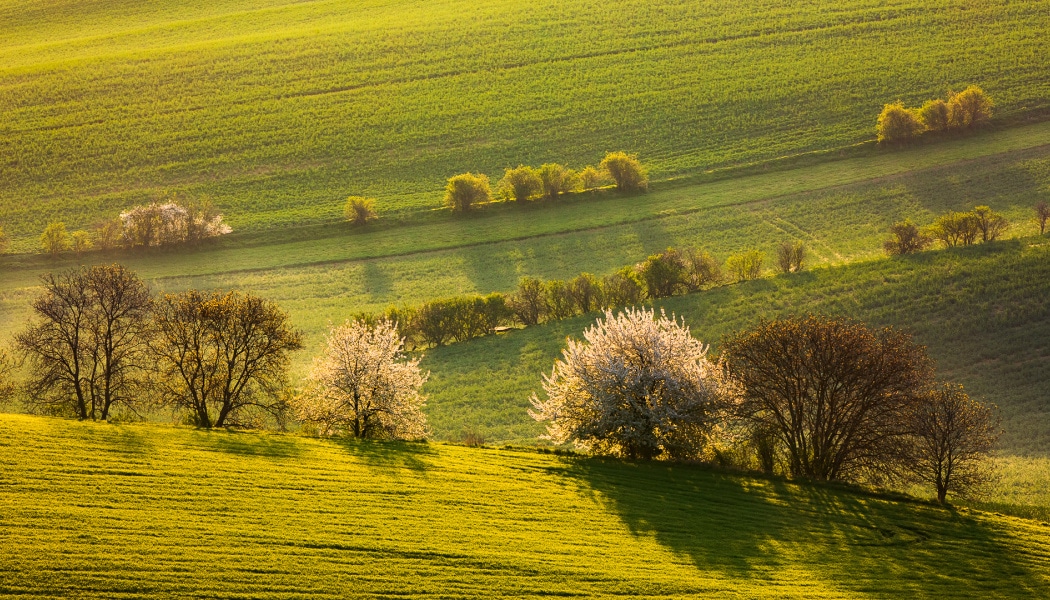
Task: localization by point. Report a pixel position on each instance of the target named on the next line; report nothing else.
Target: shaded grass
(137, 511)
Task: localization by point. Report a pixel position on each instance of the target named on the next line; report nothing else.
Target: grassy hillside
(280, 109)
(138, 511)
(983, 312)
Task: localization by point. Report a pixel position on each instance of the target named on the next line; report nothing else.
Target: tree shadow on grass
(390, 455)
(771, 529)
(249, 444)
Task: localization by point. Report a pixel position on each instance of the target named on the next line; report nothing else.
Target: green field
(279, 110)
(144, 511)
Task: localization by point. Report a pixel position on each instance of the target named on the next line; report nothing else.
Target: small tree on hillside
(81, 242)
(465, 190)
(55, 240)
(837, 394)
(521, 184)
(934, 115)
(223, 357)
(790, 256)
(968, 108)
(557, 180)
(626, 170)
(592, 178)
(586, 292)
(1042, 214)
(359, 210)
(701, 269)
(897, 124)
(622, 288)
(107, 234)
(364, 386)
(953, 436)
(529, 303)
(745, 266)
(637, 386)
(990, 223)
(664, 273)
(955, 229)
(906, 239)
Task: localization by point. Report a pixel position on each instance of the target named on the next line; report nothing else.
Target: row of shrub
(671, 272)
(982, 224)
(144, 226)
(962, 110)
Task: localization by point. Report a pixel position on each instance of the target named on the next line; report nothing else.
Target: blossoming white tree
(364, 386)
(637, 386)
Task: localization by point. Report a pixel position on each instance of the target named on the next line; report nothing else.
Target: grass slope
(137, 511)
(280, 109)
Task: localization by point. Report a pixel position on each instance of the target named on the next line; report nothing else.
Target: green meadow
(278, 110)
(93, 510)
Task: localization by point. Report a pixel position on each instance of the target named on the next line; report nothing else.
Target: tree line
(953, 228)
(961, 111)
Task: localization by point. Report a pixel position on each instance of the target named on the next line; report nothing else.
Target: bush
(107, 234)
(521, 184)
(955, 229)
(664, 274)
(897, 124)
(990, 223)
(435, 323)
(171, 223)
(622, 288)
(80, 242)
(906, 239)
(586, 292)
(592, 178)
(626, 170)
(464, 191)
(701, 269)
(790, 256)
(934, 115)
(637, 386)
(746, 266)
(529, 304)
(560, 301)
(1042, 214)
(968, 108)
(359, 210)
(55, 240)
(557, 180)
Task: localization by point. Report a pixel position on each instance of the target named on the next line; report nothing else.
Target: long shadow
(769, 529)
(390, 455)
(249, 444)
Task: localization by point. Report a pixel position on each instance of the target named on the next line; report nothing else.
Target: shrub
(529, 303)
(203, 221)
(906, 239)
(622, 288)
(664, 273)
(746, 266)
(364, 386)
(464, 191)
(520, 184)
(701, 269)
(360, 210)
(790, 256)
(990, 223)
(897, 124)
(55, 239)
(435, 322)
(586, 292)
(560, 301)
(934, 115)
(637, 386)
(955, 229)
(171, 223)
(556, 180)
(107, 234)
(626, 170)
(968, 108)
(592, 178)
(1042, 214)
(851, 430)
(80, 242)
(953, 437)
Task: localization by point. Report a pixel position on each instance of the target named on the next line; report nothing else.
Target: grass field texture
(279, 110)
(142, 511)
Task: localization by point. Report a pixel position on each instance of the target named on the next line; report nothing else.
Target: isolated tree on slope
(364, 386)
(637, 386)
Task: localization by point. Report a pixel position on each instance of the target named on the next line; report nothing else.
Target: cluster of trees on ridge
(524, 184)
(982, 224)
(962, 110)
(638, 386)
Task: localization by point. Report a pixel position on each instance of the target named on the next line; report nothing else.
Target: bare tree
(836, 393)
(223, 357)
(637, 386)
(990, 223)
(364, 386)
(790, 256)
(953, 436)
(87, 352)
(1042, 214)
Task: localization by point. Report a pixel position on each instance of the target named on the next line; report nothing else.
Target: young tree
(87, 352)
(203, 221)
(359, 210)
(746, 266)
(1042, 214)
(465, 190)
(557, 180)
(520, 184)
(592, 178)
(953, 436)
(107, 234)
(622, 288)
(955, 229)
(364, 386)
(790, 256)
(560, 302)
(990, 223)
(836, 392)
(586, 292)
(223, 356)
(934, 115)
(637, 386)
(897, 124)
(907, 239)
(529, 303)
(968, 108)
(55, 240)
(664, 273)
(626, 170)
(80, 241)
